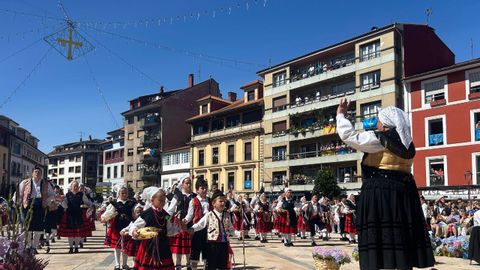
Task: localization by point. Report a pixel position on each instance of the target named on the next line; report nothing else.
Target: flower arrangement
(330, 259)
(355, 254)
(13, 254)
(454, 246)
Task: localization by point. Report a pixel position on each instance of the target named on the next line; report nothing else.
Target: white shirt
(36, 191)
(476, 218)
(365, 141)
(172, 228)
(316, 210)
(205, 207)
(425, 210)
(110, 212)
(203, 223)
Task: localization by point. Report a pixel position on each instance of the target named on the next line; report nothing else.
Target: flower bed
(456, 247)
(327, 259)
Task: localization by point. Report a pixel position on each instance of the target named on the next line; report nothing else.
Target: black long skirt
(390, 223)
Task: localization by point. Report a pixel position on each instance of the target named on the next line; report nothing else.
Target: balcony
(150, 122)
(314, 157)
(253, 127)
(313, 102)
(306, 183)
(318, 74)
(150, 141)
(151, 175)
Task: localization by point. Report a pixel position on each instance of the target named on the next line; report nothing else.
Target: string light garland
(203, 56)
(38, 16)
(8, 37)
(247, 4)
(22, 83)
(21, 50)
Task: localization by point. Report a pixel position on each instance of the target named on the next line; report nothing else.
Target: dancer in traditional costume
(198, 207)
(390, 222)
(154, 252)
(118, 215)
(288, 218)
(263, 216)
(314, 216)
(349, 210)
(35, 195)
(181, 244)
(72, 224)
(219, 229)
(301, 222)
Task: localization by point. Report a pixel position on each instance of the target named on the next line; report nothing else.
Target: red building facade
(444, 107)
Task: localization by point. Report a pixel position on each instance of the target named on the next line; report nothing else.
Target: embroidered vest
(214, 226)
(197, 210)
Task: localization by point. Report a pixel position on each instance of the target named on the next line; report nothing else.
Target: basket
(326, 264)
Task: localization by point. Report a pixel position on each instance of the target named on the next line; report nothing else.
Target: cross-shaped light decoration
(69, 38)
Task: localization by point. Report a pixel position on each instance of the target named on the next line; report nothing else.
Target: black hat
(201, 183)
(217, 194)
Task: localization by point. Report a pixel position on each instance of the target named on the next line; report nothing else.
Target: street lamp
(468, 174)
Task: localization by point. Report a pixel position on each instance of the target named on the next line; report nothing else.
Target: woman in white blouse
(389, 220)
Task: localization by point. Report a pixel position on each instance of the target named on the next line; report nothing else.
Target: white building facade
(175, 165)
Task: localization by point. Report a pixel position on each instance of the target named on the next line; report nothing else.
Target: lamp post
(468, 174)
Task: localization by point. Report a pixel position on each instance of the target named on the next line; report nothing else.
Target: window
(200, 128)
(346, 174)
(215, 155)
(218, 124)
(343, 88)
(435, 131)
(78, 169)
(233, 121)
(108, 173)
(369, 110)
(130, 136)
(61, 181)
(140, 150)
(62, 171)
(17, 148)
(247, 180)
(215, 178)
(130, 120)
(71, 158)
(370, 50)
(279, 79)
(62, 161)
(129, 168)
(248, 151)
(475, 122)
(71, 169)
(201, 157)
(434, 90)
(279, 128)
(307, 122)
(108, 155)
(140, 133)
(130, 152)
(231, 180)
(121, 170)
(252, 117)
(474, 81)
(279, 153)
(279, 104)
(476, 169)
(436, 171)
(139, 167)
(186, 157)
(279, 177)
(370, 80)
(231, 153)
(115, 172)
(251, 95)
(78, 159)
(204, 109)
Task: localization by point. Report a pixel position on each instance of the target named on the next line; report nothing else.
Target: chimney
(161, 90)
(90, 137)
(190, 80)
(232, 96)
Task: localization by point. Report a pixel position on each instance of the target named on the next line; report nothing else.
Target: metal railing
(343, 150)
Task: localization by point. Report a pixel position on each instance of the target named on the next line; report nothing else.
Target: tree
(325, 185)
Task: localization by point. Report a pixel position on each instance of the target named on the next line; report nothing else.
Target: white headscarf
(393, 117)
(148, 194)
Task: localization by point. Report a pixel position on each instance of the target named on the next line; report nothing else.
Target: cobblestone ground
(272, 255)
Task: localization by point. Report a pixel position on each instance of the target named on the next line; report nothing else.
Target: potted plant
(329, 259)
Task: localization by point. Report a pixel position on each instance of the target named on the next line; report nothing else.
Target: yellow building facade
(227, 140)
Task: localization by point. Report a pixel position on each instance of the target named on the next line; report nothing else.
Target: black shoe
(70, 250)
(257, 237)
(76, 250)
(81, 245)
(314, 244)
(53, 240)
(85, 239)
(286, 244)
(290, 244)
(48, 250)
(304, 237)
(58, 238)
(117, 268)
(47, 244)
(189, 268)
(325, 238)
(354, 241)
(126, 267)
(247, 236)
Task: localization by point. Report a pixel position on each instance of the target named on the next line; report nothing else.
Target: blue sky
(60, 99)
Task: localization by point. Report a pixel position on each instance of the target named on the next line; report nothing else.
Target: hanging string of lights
(21, 50)
(195, 16)
(29, 75)
(32, 15)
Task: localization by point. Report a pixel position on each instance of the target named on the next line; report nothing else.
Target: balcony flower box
(439, 102)
(475, 95)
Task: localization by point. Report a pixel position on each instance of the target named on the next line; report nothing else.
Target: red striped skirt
(284, 225)
(181, 243)
(130, 246)
(143, 261)
(350, 224)
(301, 224)
(276, 221)
(262, 225)
(237, 221)
(113, 237)
(65, 231)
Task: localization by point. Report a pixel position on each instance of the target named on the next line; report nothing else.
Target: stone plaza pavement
(272, 255)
